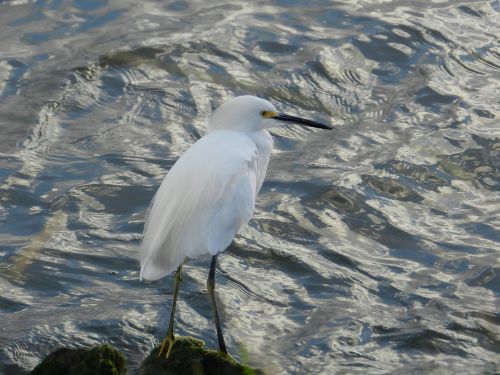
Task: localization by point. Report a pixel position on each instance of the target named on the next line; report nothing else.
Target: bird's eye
(268, 114)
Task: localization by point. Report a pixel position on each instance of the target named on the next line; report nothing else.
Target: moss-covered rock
(189, 356)
(99, 360)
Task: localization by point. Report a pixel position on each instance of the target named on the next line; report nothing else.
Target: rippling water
(374, 248)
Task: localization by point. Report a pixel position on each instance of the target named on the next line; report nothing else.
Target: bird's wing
(204, 200)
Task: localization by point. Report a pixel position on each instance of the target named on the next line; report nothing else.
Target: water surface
(373, 249)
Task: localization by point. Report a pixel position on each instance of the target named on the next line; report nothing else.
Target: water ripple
(372, 249)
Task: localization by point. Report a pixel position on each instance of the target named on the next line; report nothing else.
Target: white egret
(209, 195)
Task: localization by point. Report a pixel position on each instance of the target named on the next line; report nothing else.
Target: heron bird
(209, 195)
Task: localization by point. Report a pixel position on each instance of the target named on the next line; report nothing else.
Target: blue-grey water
(374, 248)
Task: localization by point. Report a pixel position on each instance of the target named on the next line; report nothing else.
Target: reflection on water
(373, 249)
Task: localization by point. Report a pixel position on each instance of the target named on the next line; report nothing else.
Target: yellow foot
(166, 346)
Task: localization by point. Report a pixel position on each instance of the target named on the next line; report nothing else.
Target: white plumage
(209, 194)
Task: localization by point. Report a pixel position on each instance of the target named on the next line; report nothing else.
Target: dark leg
(211, 289)
(169, 339)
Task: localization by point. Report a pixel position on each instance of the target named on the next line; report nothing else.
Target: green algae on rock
(189, 356)
(99, 360)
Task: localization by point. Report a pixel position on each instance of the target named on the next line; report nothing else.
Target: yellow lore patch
(268, 114)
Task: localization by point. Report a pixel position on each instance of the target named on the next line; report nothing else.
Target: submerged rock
(189, 356)
(99, 360)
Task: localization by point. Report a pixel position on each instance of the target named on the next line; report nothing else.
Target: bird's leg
(169, 339)
(211, 289)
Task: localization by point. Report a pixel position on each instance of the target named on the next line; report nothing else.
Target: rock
(189, 356)
(99, 360)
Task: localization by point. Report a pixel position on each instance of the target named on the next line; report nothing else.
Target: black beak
(301, 121)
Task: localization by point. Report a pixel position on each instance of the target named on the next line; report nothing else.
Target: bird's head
(249, 114)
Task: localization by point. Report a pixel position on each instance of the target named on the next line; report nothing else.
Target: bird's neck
(264, 142)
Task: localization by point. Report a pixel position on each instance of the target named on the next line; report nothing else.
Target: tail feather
(151, 270)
